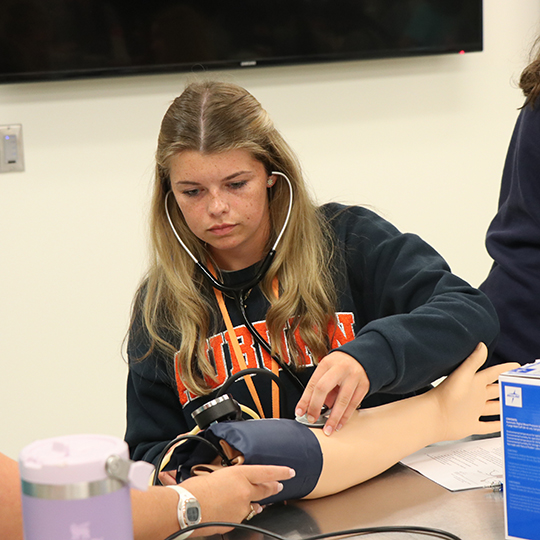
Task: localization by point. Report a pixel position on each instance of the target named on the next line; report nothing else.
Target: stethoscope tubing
(239, 299)
(239, 291)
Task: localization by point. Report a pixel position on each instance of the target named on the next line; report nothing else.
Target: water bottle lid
(69, 459)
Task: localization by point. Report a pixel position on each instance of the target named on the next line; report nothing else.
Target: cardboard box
(520, 399)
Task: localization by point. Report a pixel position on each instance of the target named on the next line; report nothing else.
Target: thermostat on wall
(11, 148)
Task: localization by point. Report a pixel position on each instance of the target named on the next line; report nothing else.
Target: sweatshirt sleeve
(418, 321)
(513, 241)
(154, 412)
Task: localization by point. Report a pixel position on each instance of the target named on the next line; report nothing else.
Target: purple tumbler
(77, 487)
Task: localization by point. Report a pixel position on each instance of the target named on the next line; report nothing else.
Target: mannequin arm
(372, 441)
(375, 439)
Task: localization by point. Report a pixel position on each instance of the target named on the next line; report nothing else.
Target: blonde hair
(214, 117)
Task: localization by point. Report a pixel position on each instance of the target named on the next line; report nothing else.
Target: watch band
(185, 498)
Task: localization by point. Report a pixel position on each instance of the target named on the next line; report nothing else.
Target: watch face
(193, 513)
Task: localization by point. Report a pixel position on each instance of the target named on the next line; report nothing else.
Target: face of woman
(224, 200)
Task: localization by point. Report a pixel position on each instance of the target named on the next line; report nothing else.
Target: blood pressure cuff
(261, 442)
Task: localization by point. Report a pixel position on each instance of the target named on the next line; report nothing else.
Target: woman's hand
(467, 394)
(224, 495)
(339, 382)
(228, 494)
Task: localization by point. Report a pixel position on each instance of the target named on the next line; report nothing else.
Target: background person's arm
(10, 500)
(11, 522)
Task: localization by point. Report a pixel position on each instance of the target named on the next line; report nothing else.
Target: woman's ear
(271, 181)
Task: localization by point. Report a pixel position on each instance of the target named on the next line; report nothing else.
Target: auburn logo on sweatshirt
(218, 345)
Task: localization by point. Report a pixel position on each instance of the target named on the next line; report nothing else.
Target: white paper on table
(461, 465)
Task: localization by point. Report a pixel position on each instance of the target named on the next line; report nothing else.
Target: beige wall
(422, 140)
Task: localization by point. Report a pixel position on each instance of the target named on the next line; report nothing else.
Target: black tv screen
(66, 39)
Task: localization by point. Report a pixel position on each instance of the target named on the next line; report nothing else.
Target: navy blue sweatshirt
(513, 241)
(401, 313)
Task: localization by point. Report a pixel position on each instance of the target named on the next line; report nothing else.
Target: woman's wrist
(188, 510)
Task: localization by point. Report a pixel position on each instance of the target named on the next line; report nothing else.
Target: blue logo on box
(512, 396)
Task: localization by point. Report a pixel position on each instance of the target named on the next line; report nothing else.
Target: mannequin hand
(466, 394)
(227, 494)
(340, 383)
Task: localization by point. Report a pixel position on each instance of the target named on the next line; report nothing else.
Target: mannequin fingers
(491, 408)
(492, 391)
(492, 373)
(476, 359)
(484, 428)
(467, 370)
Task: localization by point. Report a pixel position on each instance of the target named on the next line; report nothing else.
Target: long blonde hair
(214, 117)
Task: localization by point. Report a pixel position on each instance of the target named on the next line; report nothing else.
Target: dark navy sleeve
(416, 321)
(154, 412)
(513, 242)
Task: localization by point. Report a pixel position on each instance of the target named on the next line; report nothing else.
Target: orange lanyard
(233, 338)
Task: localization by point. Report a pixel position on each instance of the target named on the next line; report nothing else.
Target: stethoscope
(240, 291)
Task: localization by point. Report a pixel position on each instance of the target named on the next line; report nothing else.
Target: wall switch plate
(11, 148)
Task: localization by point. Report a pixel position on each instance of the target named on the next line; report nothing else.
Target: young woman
(247, 272)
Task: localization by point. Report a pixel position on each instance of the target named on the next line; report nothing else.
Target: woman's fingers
(266, 479)
(167, 478)
(340, 382)
(258, 474)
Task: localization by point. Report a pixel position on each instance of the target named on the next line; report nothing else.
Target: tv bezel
(252, 63)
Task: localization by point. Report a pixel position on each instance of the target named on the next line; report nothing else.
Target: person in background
(348, 311)
(513, 237)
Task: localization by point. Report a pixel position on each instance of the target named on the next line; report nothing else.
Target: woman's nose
(217, 204)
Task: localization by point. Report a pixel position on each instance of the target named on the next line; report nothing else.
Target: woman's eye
(191, 192)
(238, 185)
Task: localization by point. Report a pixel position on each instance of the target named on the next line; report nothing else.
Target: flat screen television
(67, 39)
